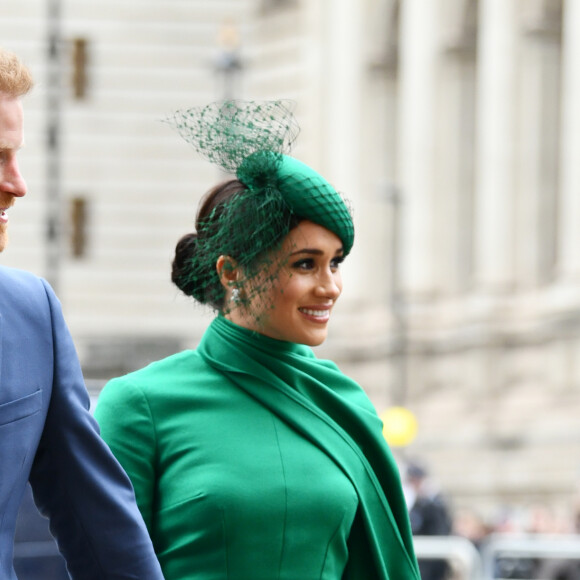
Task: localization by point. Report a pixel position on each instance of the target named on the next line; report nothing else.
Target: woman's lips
(316, 314)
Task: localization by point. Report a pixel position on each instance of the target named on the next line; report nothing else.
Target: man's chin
(3, 239)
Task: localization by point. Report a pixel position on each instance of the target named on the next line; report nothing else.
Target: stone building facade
(452, 125)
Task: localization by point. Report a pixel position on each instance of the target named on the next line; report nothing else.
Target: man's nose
(12, 181)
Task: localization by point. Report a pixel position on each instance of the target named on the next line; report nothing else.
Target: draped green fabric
(332, 411)
(252, 459)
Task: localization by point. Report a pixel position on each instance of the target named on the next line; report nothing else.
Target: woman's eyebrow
(314, 251)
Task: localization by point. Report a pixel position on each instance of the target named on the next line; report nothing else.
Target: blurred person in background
(469, 524)
(47, 435)
(252, 458)
(543, 519)
(429, 515)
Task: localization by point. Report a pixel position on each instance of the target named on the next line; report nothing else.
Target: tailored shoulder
(17, 279)
(24, 293)
(156, 373)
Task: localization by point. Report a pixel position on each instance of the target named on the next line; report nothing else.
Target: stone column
(417, 85)
(569, 239)
(343, 76)
(538, 151)
(495, 156)
(341, 111)
(455, 149)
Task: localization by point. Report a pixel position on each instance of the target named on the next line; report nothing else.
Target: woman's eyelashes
(336, 262)
(303, 264)
(310, 263)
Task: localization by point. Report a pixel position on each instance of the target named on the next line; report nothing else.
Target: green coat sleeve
(124, 416)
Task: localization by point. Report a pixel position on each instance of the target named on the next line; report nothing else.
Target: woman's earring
(235, 297)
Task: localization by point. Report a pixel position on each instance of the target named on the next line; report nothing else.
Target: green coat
(246, 458)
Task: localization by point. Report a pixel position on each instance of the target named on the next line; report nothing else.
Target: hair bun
(185, 272)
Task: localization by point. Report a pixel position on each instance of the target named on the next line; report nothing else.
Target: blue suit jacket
(48, 436)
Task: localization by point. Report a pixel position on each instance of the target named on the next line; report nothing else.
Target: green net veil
(272, 193)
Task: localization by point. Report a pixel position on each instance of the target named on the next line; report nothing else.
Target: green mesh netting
(227, 132)
(250, 140)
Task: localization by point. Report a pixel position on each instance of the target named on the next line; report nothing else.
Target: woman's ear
(227, 271)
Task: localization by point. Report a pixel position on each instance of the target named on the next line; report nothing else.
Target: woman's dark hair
(196, 253)
(203, 284)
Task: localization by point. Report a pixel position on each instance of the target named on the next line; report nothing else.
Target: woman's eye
(306, 264)
(336, 262)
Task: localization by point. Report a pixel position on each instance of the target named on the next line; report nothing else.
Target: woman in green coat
(251, 458)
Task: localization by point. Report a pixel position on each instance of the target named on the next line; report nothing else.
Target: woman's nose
(329, 285)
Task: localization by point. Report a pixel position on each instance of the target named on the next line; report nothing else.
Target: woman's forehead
(309, 235)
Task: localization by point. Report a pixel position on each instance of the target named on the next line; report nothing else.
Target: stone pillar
(343, 75)
(341, 110)
(496, 118)
(455, 149)
(539, 135)
(417, 85)
(569, 240)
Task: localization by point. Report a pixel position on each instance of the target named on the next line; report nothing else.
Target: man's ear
(227, 271)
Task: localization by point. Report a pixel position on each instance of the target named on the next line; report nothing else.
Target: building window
(272, 5)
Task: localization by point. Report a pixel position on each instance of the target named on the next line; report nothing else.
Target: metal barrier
(532, 546)
(458, 551)
(470, 564)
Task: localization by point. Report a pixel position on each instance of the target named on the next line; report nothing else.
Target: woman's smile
(319, 315)
(307, 284)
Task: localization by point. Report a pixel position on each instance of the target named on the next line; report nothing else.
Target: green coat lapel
(332, 411)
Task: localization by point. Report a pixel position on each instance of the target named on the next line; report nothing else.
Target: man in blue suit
(47, 435)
